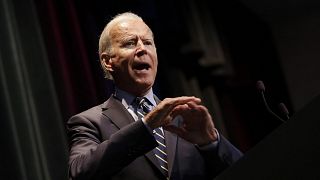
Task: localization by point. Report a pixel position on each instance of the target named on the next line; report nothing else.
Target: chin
(145, 80)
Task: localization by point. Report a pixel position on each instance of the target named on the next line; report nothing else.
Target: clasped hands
(197, 126)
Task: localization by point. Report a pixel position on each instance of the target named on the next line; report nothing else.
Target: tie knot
(143, 104)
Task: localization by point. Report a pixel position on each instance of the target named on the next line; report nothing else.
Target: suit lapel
(171, 143)
(116, 112)
(120, 116)
(152, 158)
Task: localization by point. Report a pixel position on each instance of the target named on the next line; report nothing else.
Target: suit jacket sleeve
(92, 159)
(221, 157)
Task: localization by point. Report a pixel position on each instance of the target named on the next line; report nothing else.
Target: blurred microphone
(261, 88)
(284, 110)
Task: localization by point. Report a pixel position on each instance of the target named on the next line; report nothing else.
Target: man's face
(133, 61)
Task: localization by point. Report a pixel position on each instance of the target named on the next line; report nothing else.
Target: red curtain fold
(67, 52)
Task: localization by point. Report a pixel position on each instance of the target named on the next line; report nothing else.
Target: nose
(141, 49)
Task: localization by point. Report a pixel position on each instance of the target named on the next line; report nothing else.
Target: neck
(135, 92)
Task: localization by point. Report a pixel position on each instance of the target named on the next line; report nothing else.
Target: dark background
(215, 50)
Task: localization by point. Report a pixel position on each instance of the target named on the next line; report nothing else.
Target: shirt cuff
(148, 127)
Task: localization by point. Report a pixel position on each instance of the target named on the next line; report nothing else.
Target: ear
(106, 61)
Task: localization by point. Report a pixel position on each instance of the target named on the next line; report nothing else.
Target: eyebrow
(131, 37)
(124, 38)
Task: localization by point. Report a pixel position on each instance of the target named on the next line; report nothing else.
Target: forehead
(130, 27)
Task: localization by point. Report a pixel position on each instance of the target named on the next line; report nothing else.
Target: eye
(129, 43)
(148, 42)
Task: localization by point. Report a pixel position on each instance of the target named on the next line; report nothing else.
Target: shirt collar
(127, 98)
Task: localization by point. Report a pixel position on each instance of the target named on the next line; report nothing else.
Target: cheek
(124, 60)
(154, 57)
(155, 63)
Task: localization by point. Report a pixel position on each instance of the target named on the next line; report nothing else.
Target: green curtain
(33, 142)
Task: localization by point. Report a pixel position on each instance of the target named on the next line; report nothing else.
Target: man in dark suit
(134, 135)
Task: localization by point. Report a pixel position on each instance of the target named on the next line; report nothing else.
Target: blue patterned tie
(160, 151)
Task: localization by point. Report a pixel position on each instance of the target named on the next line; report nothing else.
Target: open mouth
(141, 66)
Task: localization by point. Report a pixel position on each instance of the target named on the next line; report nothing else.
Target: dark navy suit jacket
(106, 143)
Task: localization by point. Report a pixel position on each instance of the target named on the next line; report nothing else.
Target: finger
(169, 104)
(165, 108)
(184, 100)
(193, 105)
(198, 108)
(202, 112)
(180, 109)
